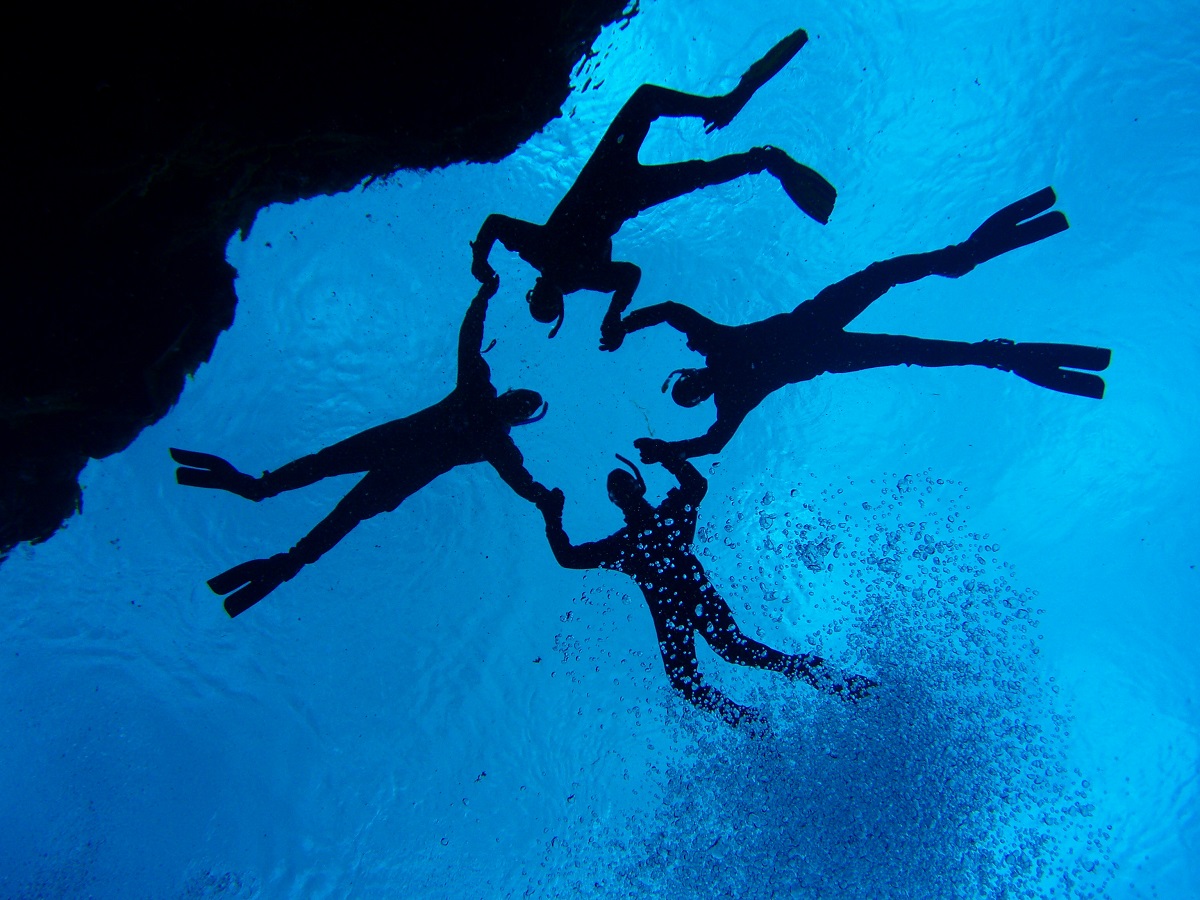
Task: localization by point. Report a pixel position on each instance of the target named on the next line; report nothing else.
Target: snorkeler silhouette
(745, 363)
(654, 548)
(470, 425)
(572, 251)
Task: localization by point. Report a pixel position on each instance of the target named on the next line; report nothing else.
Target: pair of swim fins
(249, 582)
(208, 471)
(1050, 366)
(1054, 366)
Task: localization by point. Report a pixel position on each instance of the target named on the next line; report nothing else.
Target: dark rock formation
(142, 136)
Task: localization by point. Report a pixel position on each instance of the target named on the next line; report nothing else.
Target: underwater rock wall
(143, 137)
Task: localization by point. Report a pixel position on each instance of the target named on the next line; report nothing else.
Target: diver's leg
(841, 303)
(652, 101)
(718, 627)
(249, 582)
(373, 449)
(355, 454)
(677, 644)
(1047, 365)
(623, 138)
(855, 352)
(649, 186)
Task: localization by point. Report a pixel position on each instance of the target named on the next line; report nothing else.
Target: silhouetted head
(693, 387)
(626, 488)
(546, 303)
(521, 407)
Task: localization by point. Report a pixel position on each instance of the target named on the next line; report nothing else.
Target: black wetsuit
(654, 549)
(573, 249)
(746, 363)
(399, 458)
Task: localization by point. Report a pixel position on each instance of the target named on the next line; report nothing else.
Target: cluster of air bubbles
(950, 781)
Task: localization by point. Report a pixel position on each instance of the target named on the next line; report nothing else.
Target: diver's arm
(622, 280)
(693, 485)
(514, 234)
(570, 556)
(693, 326)
(471, 366)
(506, 459)
(712, 441)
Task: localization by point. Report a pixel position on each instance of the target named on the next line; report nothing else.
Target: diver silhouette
(745, 363)
(654, 548)
(572, 251)
(470, 425)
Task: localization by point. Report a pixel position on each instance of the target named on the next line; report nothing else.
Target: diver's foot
(808, 189)
(249, 582)
(1017, 225)
(208, 471)
(755, 77)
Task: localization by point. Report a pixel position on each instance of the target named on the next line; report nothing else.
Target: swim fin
(1017, 225)
(759, 73)
(772, 62)
(249, 582)
(808, 189)
(1050, 366)
(208, 471)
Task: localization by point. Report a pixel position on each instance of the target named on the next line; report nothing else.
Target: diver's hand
(481, 269)
(612, 333)
(551, 503)
(653, 450)
(723, 109)
(490, 284)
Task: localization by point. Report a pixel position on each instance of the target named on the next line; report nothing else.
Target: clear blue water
(436, 709)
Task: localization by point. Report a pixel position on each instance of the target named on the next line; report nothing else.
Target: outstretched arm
(515, 234)
(693, 485)
(570, 556)
(509, 464)
(712, 441)
(471, 367)
(696, 328)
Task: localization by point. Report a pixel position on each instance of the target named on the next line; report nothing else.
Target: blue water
(436, 709)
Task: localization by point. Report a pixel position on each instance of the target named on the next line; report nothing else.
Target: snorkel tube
(637, 473)
(536, 417)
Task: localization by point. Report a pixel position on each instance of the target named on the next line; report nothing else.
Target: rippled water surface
(436, 709)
